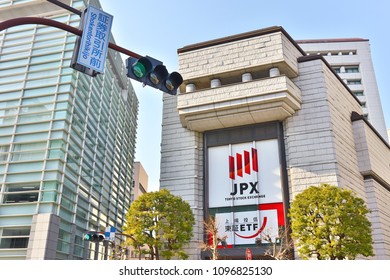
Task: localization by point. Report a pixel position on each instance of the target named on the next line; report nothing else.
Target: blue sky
(159, 28)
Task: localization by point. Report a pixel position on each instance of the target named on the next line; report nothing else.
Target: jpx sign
(244, 174)
(95, 39)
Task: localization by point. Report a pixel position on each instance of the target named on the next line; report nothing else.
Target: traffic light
(94, 236)
(152, 72)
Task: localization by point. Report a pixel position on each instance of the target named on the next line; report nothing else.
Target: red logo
(243, 163)
(256, 233)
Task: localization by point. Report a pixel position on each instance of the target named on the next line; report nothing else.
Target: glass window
(47, 49)
(14, 63)
(354, 82)
(7, 120)
(32, 127)
(63, 97)
(16, 48)
(42, 99)
(56, 154)
(33, 176)
(63, 105)
(25, 167)
(51, 185)
(39, 91)
(67, 204)
(20, 197)
(44, 73)
(5, 139)
(8, 104)
(52, 175)
(63, 246)
(65, 88)
(15, 242)
(54, 165)
(41, 82)
(44, 58)
(14, 55)
(34, 117)
(8, 112)
(11, 87)
(17, 41)
(15, 32)
(57, 144)
(60, 125)
(61, 115)
(31, 137)
(26, 156)
(22, 187)
(13, 78)
(352, 69)
(36, 108)
(359, 93)
(58, 134)
(48, 32)
(41, 66)
(66, 79)
(16, 231)
(55, 41)
(49, 196)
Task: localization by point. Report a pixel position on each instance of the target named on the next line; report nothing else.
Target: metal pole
(96, 255)
(44, 21)
(105, 243)
(66, 7)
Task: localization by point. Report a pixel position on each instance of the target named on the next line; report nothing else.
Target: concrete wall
(182, 167)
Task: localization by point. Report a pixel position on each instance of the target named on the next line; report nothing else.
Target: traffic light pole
(66, 7)
(44, 21)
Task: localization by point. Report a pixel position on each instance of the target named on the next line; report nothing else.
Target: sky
(158, 28)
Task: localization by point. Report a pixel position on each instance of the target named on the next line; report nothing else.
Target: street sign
(109, 234)
(95, 39)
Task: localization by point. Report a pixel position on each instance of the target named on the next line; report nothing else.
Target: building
(256, 122)
(351, 60)
(67, 140)
(140, 180)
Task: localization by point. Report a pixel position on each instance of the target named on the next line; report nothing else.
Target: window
(35, 117)
(358, 93)
(352, 69)
(15, 238)
(22, 187)
(20, 197)
(336, 69)
(354, 82)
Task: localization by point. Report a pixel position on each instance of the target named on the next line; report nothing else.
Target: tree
(328, 222)
(281, 248)
(211, 229)
(160, 224)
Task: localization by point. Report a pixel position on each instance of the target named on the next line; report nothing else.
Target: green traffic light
(88, 237)
(141, 67)
(139, 70)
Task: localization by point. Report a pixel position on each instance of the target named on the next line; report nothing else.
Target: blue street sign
(95, 39)
(109, 234)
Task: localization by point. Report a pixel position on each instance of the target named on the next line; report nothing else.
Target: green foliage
(328, 222)
(160, 224)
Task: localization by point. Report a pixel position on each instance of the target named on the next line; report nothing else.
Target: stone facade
(310, 102)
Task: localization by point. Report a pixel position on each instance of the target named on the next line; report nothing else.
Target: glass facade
(67, 140)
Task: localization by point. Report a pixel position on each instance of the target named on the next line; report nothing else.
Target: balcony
(256, 101)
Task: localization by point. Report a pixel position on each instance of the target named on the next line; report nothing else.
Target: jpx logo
(240, 164)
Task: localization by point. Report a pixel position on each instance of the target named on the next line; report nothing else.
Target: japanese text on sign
(95, 39)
